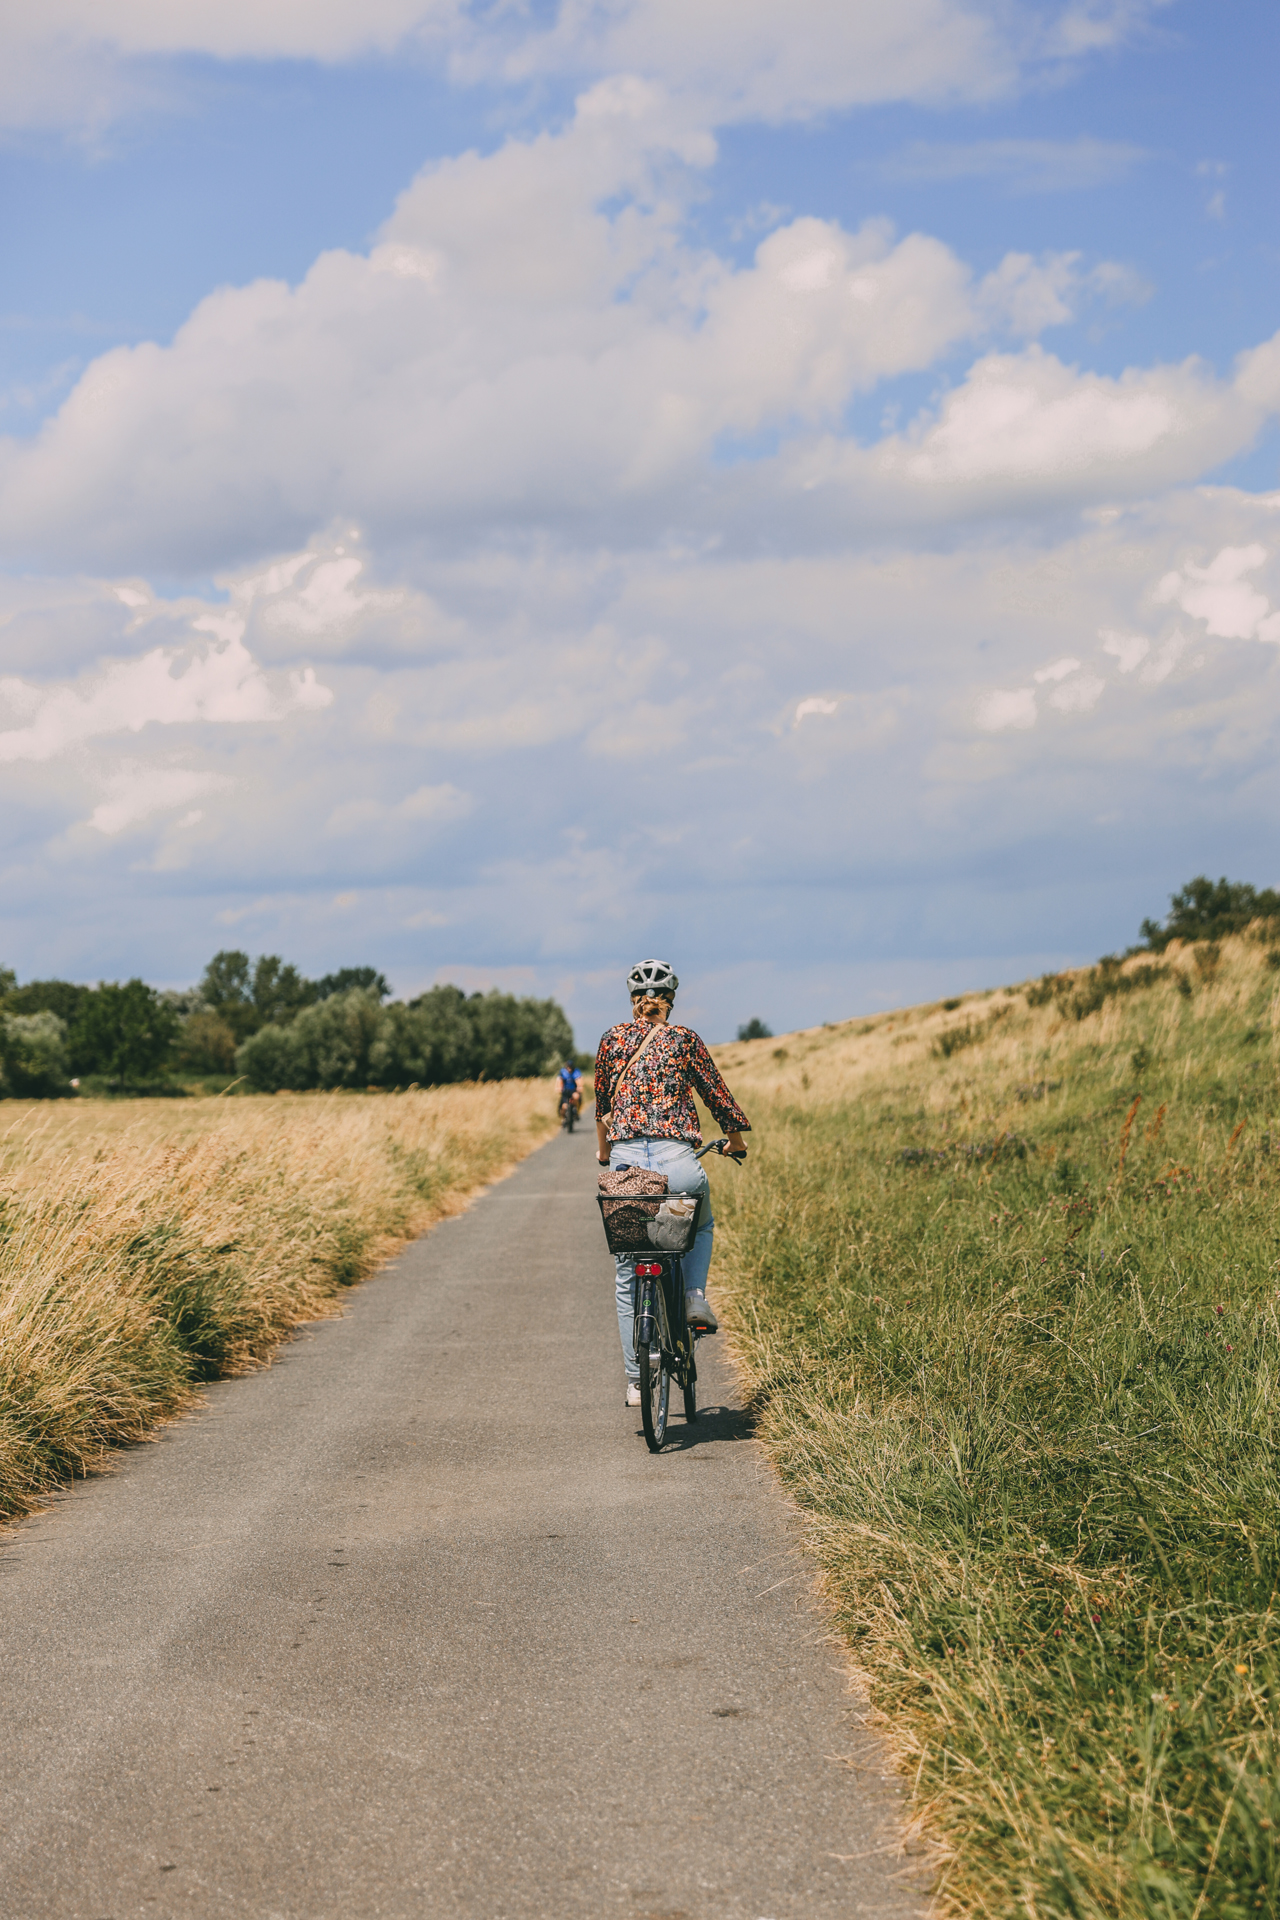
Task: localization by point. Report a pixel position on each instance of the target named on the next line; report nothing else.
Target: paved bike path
(412, 1624)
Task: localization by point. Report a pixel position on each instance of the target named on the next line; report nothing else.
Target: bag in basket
(622, 1186)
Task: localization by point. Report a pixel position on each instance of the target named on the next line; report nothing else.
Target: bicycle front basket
(649, 1222)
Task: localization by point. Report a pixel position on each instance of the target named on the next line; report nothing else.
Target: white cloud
(82, 63)
(238, 29)
(1029, 417)
(755, 59)
(136, 792)
(998, 710)
(1077, 695)
(1058, 671)
(561, 356)
(1220, 595)
(1160, 664)
(815, 704)
(1129, 649)
(220, 684)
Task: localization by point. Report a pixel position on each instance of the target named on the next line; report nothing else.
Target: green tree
(347, 977)
(124, 1032)
(279, 992)
(248, 994)
(1206, 910)
(8, 981)
(435, 1041)
(755, 1029)
(226, 989)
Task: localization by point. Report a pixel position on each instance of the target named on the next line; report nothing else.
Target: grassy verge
(150, 1246)
(1004, 1281)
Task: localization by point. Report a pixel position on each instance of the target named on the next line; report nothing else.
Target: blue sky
(494, 492)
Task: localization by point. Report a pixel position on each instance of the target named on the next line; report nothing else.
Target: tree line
(263, 1022)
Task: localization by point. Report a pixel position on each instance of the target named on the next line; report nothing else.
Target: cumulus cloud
(1221, 595)
(1128, 649)
(1029, 417)
(219, 684)
(998, 710)
(534, 341)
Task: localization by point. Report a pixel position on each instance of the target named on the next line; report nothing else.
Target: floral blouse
(657, 1100)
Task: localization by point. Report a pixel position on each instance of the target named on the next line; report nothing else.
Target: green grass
(1028, 1400)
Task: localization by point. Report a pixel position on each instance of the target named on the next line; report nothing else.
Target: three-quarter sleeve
(603, 1078)
(716, 1097)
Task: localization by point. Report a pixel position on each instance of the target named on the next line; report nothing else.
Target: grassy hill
(1003, 1274)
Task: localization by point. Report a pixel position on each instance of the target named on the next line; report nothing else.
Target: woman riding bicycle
(653, 1123)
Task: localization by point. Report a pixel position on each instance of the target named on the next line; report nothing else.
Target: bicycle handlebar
(721, 1146)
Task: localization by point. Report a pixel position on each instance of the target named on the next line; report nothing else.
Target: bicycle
(568, 1112)
(664, 1340)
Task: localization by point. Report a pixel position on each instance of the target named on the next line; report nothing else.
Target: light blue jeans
(685, 1174)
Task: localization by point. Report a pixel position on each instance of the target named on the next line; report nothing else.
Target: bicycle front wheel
(655, 1395)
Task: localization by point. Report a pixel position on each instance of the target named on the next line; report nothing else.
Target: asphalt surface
(413, 1624)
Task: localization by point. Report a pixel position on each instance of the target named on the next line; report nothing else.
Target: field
(1002, 1274)
(148, 1245)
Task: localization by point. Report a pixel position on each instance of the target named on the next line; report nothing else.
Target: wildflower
(1242, 1670)
(1219, 1311)
(1096, 1619)
(1230, 1349)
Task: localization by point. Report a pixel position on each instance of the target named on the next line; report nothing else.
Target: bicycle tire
(691, 1398)
(655, 1397)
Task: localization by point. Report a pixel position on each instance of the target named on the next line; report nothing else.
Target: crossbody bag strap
(648, 1041)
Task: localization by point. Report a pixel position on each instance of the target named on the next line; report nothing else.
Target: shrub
(755, 1029)
(1079, 995)
(1206, 909)
(272, 1061)
(953, 1039)
(33, 1055)
(351, 1040)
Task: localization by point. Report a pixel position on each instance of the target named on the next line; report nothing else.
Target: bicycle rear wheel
(655, 1395)
(691, 1395)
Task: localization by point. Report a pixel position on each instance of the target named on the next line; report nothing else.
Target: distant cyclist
(652, 1122)
(569, 1087)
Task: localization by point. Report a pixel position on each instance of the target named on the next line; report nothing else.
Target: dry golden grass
(148, 1245)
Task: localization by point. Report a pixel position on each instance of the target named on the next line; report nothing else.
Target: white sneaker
(633, 1393)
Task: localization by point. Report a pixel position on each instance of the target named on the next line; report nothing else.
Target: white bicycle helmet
(651, 976)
